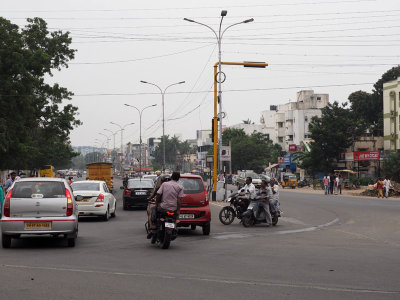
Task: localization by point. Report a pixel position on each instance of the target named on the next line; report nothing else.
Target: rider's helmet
(158, 172)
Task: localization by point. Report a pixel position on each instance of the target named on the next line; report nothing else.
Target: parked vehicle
(238, 203)
(241, 179)
(289, 180)
(165, 228)
(152, 177)
(101, 171)
(255, 214)
(195, 208)
(94, 199)
(136, 193)
(39, 206)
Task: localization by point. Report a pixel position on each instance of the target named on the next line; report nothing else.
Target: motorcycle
(238, 205)
(166, 229)
(255, 214)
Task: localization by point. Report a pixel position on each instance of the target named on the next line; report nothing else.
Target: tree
(34, 122)
(252, 152)
(248, 121)
(391, 166)
(332, 133)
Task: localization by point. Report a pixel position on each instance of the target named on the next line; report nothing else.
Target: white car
(94, 199)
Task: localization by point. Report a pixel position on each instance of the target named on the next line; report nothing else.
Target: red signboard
(292, 147)
(366, 155)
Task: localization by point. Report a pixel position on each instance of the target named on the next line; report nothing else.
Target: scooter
(238, 205)
(255, 214)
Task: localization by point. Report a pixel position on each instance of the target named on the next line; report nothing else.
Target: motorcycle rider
(265, 193)
(249, 187)
(274, 199)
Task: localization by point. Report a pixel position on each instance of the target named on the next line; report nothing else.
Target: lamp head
(248, 20)
(189, 20)
(224, 13)
(181, 82)
(142, 81)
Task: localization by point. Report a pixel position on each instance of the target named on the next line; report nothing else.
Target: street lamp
(140, 132)
(163, 114)
(219, 39)
(122, 138)
(107, 139)
(113, 133)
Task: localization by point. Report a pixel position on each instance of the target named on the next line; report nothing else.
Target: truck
(101, 171)
(46, 171)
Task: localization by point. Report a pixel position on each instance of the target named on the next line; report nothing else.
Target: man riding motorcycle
(265, 193)
(249, 187)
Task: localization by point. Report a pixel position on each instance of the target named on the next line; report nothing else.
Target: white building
(288, 123)
(391, 120)
(204, 143)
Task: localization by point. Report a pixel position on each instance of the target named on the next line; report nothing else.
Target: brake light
(170, 213)
(127, 192)
(206, 194)
(100, 198)
(70, 204)
(7, 204)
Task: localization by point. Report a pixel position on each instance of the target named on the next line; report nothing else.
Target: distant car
(195, 208)
(39, 206)
(241, 180)
(136, 192)
(94, 199)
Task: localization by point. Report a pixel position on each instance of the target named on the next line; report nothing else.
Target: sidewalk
(345, 192)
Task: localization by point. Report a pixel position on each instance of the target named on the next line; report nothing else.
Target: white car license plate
(169, 225)
(141, 193)
(186, 216)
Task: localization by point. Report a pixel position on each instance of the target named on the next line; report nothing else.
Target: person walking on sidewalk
(331, 183)
(379, 186)
(387, 185)
(326, 184)
(340, 183)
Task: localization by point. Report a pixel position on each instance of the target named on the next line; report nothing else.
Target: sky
(330, 46)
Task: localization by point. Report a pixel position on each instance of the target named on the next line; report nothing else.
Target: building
(391, 110)
(204, 143)
(132, 155)
(153, 144)
(287, 124)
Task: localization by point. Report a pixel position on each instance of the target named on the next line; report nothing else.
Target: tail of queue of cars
(39, 206)
(195, 207)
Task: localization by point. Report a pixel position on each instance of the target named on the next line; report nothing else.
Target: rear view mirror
(121, 188)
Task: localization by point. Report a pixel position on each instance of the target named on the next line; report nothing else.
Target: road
(324, 247)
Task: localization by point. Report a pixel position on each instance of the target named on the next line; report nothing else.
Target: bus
(47, 171)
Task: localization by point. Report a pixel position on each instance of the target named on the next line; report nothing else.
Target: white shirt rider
(249, 187)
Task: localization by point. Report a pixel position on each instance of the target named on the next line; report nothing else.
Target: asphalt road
(324, 247)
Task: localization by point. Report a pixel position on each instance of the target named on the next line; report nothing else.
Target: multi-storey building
(204, 143)
(391, 110)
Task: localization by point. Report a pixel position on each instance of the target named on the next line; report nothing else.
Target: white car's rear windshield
(38, 189)
(85, 186)
(191, 185)
(140, 184)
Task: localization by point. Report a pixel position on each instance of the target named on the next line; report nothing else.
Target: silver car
(39, 206)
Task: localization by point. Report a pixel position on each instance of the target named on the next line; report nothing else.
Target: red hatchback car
(195, 209)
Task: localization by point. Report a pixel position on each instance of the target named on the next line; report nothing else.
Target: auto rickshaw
(289, 181)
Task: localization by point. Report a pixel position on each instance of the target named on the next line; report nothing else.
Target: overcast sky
(331, 46)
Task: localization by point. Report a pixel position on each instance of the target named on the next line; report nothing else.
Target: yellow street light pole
(215, 119)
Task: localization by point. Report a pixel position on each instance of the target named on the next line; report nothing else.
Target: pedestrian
(379, 186)
(340, 183)
(10, 181)
(331, 183)
(336, 183)
(326, 184)
(387, 185)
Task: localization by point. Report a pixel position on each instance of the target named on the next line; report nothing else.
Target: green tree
(391, 166)
(34, 122)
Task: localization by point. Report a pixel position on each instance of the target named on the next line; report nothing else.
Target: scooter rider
(265, 194)
(249, 187)
(274, 199)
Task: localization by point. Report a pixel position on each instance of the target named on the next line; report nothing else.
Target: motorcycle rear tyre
(227, 215)
(166, 241)
(247, 221)
(274, 221)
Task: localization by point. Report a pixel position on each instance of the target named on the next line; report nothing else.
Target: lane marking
(215, 280)
(290, 231)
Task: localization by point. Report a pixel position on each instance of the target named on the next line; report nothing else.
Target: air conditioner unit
(392, 134)
(392, 114)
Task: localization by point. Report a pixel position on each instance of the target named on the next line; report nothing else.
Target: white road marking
(214, 280)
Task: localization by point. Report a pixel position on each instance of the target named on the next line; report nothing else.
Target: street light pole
(163, 112)
(122, 139)
(113, 133)
(140, 133)
(219, 41)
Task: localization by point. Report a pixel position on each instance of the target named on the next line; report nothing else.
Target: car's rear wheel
(106, 216)
(71, 242)
(193, 227)
(125, 206)
(5, 241)
(206, 229)
(114, 213)
(227, 215)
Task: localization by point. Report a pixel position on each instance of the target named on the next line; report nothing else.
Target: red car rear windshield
(38, 189)
(191, 185)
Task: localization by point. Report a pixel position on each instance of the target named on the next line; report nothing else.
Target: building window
(280, 139)
(305, 119)
(280, 124)
(319, 98)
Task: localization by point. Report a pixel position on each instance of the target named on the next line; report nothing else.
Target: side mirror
(121, 188)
